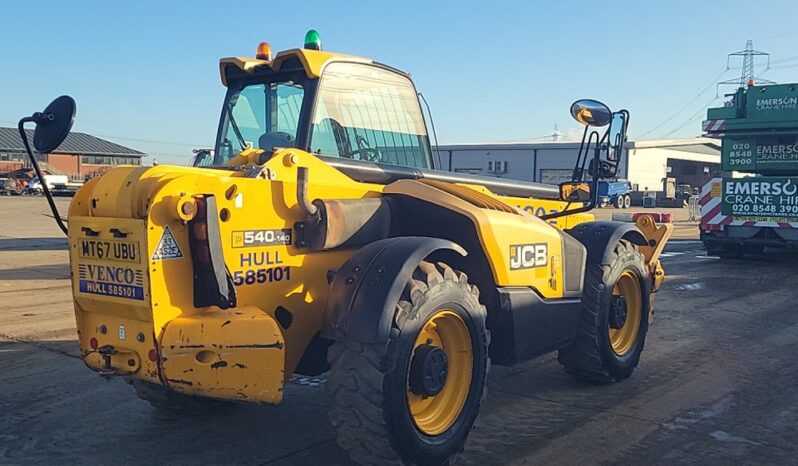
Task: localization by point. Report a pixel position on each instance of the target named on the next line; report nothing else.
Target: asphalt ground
(716, 385)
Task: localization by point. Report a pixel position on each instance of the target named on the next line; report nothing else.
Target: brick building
(79, 156)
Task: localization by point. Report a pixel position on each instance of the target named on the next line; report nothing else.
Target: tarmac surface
(716, 385)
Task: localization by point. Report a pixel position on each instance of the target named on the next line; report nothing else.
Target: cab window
(262, 116)
(365, 112)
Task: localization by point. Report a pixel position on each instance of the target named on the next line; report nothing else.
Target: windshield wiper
(237, 131)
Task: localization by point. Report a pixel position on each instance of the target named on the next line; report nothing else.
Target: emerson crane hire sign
(761, 199)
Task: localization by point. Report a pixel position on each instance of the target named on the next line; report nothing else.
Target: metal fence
(693, 209)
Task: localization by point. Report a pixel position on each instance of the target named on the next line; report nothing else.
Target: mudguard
(599, 238)
(364, 292)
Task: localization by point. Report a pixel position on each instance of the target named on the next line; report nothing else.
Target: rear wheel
(627, 201)
(414, 399)
(613, 320)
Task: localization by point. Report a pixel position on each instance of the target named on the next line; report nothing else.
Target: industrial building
(645, 163)
(80, 156)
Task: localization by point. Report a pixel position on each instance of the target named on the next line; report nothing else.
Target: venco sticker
(762, 199)
(118, 282)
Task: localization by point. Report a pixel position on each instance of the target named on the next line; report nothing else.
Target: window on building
(13, 156)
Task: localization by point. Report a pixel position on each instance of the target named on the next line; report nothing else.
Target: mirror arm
(576, 174)
(590, 205)
(586, 207)
(36, 118)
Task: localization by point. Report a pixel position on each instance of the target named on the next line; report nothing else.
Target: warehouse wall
(553, 163)
(548, 164)
(648, 166)
(519, 164)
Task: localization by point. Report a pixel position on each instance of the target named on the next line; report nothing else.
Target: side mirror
(575, 191)
(52, 127)
(617, 136)
(591, 112)
(53, 124)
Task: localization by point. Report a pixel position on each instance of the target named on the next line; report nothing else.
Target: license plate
(106, 249)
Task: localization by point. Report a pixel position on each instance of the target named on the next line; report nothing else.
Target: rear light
(200, 249)
(94, 343)
(153, 355)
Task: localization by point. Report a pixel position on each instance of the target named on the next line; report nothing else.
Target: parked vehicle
(35, 185)
(684, 191)
(758, 128)
(10, 187)
(617, 193)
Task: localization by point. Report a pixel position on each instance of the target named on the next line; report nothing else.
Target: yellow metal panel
(247, 65)
(503, 235)
(313, 61)
(233, 354)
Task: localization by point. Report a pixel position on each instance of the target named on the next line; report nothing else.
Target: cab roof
(312, 61)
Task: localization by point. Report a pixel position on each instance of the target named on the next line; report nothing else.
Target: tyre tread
(356, 383)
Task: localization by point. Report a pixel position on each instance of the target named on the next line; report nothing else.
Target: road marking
(707, 257)
(307, 381)
(670, 254)
(689, 287)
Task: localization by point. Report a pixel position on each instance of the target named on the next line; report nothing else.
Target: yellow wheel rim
(623, 339)
(434, 414)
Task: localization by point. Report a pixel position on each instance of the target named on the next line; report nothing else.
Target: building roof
(75, 143)
(510, 145)
(668, 143)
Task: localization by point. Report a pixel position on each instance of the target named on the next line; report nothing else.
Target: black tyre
(725, 251)
(169, 401)
(415, 398)
(614, 318)
(627, 201)
(618, 202)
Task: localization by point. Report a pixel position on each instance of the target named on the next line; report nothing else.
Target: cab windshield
(261, 116)
(360, 112)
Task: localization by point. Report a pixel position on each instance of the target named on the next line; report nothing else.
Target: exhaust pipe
(310, 210)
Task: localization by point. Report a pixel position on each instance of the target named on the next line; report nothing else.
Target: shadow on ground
(33, 244)
(36, 272)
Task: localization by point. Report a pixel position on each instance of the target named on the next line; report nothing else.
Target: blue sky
(145, 74)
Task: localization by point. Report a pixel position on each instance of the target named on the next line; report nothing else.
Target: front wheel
(614, 318)
(415, 398)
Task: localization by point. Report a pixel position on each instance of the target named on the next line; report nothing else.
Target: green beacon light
(312, 40)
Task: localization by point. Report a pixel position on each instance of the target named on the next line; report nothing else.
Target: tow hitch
(113, 362)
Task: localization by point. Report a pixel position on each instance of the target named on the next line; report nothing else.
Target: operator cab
(364, 118)
(327, 104)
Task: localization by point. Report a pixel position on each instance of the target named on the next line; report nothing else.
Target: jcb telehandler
(319, 237)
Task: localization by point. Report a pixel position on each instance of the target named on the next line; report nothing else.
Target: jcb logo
(528, 256)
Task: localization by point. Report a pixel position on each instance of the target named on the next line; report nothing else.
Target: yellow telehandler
(317, 236)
